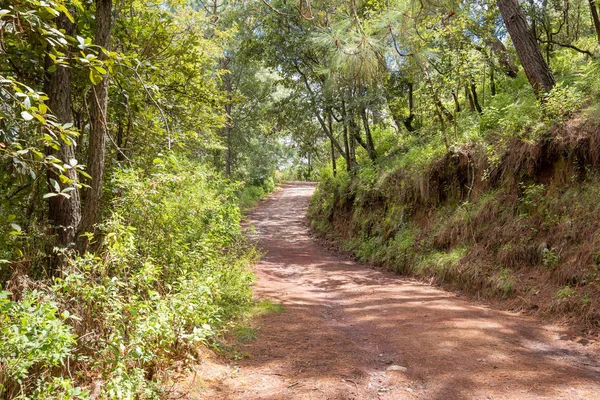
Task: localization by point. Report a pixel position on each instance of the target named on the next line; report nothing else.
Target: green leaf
(55, 185)
(26, 116)
(48, 195)
(95, 78)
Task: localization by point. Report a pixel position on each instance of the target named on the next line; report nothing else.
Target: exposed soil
(345, 324)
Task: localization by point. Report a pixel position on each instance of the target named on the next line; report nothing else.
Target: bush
(561, 102)
(172, 272)
(35, 338)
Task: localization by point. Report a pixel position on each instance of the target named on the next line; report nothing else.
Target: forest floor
(349, 331)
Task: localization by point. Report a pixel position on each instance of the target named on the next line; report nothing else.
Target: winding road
(349, 331)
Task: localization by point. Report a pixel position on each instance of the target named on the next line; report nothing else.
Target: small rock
(396, 368)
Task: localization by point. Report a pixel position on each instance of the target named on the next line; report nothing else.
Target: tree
(99, 122)
(536, 69)
(64, 209)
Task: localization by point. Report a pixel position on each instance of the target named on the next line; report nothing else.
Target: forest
(454, 141)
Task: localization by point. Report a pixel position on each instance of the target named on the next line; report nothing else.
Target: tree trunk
(411, 109)
(64, 214)
(504, 58)
(475, 98)
(330, 124)
(226, 131)
(456, 103)
(370, 145)
(349, 138)
(349, 161)
(99, 129)
(355, 131)
(536, 69)
(469, 97)
(595, 19)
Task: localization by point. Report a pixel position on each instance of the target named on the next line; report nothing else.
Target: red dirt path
(345, 323)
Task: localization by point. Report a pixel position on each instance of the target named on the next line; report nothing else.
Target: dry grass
(527, 224)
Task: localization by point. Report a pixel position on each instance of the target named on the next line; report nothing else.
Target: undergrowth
(171, 273)
(510, 216)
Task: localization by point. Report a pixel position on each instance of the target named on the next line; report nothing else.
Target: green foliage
(505, 282)
(250, 194)
(550, 258)
(533, 197)
(562, 102)
(565, 293)
(173, 271)
(35, 338)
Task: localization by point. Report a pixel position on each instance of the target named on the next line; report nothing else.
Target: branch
(156, 104)
(570, 46)
(276, 10)
(317, 113)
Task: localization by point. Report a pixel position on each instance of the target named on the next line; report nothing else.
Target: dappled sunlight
(344, 324)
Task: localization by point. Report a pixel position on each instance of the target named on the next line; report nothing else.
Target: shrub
(561, 102)
(171, 272)
(35, 338)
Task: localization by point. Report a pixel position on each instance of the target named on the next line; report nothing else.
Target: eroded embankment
(521, 225)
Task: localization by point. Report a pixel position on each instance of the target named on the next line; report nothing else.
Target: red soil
(345, 324)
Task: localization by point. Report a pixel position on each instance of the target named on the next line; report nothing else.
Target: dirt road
(351, 332)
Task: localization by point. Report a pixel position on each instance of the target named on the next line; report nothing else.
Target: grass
(246, 329)
(510, 219)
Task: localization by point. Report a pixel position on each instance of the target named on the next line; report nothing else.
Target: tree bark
(349, 140)
(370, 145)
(504, 58)
(411, 109)
(99, 129)
(64, 214)
(456, 102)
(536, 69)
(475, 98)
(469, 97)
(595, 19)
(355, 131)
(330, 124)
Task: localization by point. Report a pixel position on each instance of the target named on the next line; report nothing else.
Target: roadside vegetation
(454, 141)
(124, 176)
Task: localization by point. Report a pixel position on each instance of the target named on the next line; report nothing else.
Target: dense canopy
(133, 132)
